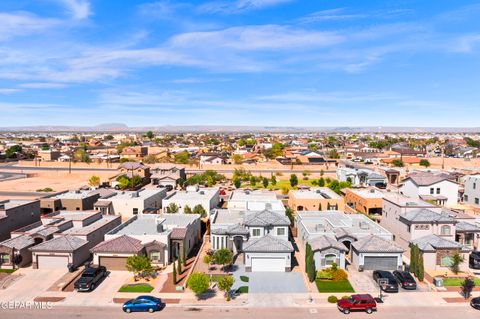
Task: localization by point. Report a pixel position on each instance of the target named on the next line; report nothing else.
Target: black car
(474, 260)
(405, 280)
(475, 303)
(385, 280)
(90, 278)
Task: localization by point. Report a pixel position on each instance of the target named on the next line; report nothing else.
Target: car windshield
(88, 274)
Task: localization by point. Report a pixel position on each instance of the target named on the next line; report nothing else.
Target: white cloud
(8, 90)
(41, 85)
(23, 23)
(238, 6)
(78, 9)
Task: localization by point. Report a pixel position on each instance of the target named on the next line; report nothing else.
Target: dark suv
(357, 303)
(385, 280)
(90, 278)
(405, 280)
(474, 260)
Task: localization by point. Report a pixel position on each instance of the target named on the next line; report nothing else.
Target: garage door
(380, 263)
(113, 263)
(268, 264)
(52, 262)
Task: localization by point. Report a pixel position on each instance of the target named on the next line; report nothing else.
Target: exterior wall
(315, 204)
(77, 258)
(472, 190)
(447, 188)
(124, 206)
(249, 256)
(431, 260)
(362, 204)
(319, 256)
(208, 203)
(359, 258)
(18, 217)
(24, 253)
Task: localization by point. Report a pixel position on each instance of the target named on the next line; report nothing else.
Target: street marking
(312, 311)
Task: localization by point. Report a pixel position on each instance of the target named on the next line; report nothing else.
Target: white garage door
(52, 262)
(268, 264)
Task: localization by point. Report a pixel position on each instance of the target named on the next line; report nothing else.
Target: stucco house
(208, 198)
(261, 238)
(17, 213)
(360, 176)
(167, 174)
(254, 200)
(368, 201)
(73, 200)
(316, 199)
(332, 234)
(433, 187)
(471, 195)
(130, 203)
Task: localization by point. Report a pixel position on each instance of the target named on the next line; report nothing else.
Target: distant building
(315, 199)
(360, 177)
(368, 201)
(471, 194)
(257, 200)
(130, 203)
(208, 198)
(15, 214)
(437, 188)
(69, 200)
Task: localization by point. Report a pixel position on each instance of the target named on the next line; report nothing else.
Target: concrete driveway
(270, 282)
(33, 283)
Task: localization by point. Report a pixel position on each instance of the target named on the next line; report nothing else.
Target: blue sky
(240, 62)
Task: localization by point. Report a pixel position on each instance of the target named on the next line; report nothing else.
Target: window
(280, 231)
(4, 258)
(465, 198)
(135, 211)
(256, 232)
(432, 191)
(438, 191)
(155, 256)
(445, 230)
(474, 185)
(477, 201)
(446, 261)
(330, 259)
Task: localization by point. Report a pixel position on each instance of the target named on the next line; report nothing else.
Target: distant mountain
(121, 127)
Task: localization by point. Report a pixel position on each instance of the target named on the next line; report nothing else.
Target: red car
(357, 303)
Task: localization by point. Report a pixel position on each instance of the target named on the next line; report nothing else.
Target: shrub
(325, 274)
(332, 299)
(244, 278)
(345, 297)
(339, 275)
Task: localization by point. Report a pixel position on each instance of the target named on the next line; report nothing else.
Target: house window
(330, 259)
(446, 261)
(4, 258)
(255, 232)
(280, 231)
(477, 201)
(135, 211)
(474, 185)
(155, 256)
(465, 198)
(438, 191)
(216, 243)
(432, 191)
(445, 230)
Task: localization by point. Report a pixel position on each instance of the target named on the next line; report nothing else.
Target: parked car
(381, 185)
(143, 304)
(475, 303)
(405, 279)
(357, 303)
(474, 260)
(390, 284)
(90, 278)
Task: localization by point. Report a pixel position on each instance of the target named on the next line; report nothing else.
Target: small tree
(225, 284)
(310, 264)
(457, 259)
(198, 283)
(420, 267)
(424, 162)
(265, 182)
(149, 135)
(94, 181)
(223, 257)
(187, 210)
(179, 266)
(322, 172)
(237, 182)
(172, 208)
(413, 260)
(289, 213)
(138, 264)
(293, 180)
(273, 180)
(467, 286)
(321, 182)
(198, 209)
(397, 163)
(253, 181)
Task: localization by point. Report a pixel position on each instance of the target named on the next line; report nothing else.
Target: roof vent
(268, 206)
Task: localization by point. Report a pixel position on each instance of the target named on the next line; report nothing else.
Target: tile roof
(64, 243)
(434, 242)
(232, 230)
(326, 242)
(464, 227)
(18, 242)
(266, 218)
(426, 179)
(122, 244)
(375, 244)
(424, 215)
(268, 243)
(178, 233)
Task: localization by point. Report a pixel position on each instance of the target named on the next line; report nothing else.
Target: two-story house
(437, 188)
(471, 195)
(261, 238)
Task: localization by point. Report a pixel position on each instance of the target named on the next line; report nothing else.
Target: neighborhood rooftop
(316, 193)
(148, 224)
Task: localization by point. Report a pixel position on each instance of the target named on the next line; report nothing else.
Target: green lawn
(280, 184)
(136, 288)
(243, 290)
(8, 271)
(457, 282)
(244, 278)
(334, 286)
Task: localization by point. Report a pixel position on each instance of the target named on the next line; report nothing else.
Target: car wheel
(92, 287)
(150, 310)
(369, 310)
(128, 310)
(346, 311)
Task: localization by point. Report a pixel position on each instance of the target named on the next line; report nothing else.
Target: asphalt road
(446, 312)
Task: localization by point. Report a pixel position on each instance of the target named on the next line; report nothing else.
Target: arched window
(330, 259)
(445, 230)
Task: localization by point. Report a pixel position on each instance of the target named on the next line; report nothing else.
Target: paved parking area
(362, 281)
(271, 282)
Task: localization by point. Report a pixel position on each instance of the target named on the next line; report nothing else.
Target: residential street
(450, 312)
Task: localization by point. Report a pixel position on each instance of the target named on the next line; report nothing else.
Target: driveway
(362, 282)
(270, 282)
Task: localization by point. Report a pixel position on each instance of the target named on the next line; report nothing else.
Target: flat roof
(144, 193)
(315, 193)
(75, 194)
(147, 224)
(257, 195)
(9, 204)
(405, 201)
(225, 216)
(189, 195)
(105, 220)
(367, 192)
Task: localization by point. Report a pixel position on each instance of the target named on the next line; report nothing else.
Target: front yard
(136, 288)
(457, 282)
(334, 286)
